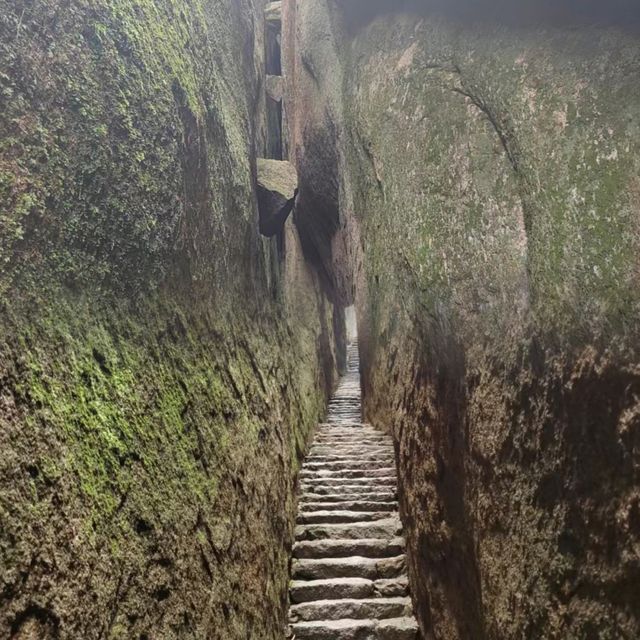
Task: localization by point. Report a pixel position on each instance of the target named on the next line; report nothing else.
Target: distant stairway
(349, 577)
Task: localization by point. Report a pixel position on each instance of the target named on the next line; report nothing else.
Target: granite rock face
(277, 189)
(161, 364)
(489, 191)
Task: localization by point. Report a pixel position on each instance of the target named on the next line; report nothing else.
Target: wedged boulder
(275, 87)
(277, 190)
(273, 12)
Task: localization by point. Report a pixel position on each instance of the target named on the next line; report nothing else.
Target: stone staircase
(349, 578)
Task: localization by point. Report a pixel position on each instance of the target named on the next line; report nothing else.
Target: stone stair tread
(333, 499)
(349, 505)
(354, 608)
(335, 456)
(366, 547)
(337, 473)
(320, 517)
(350, 629)
(363, 475)
(335, 588)
(350, 463)
(349, 567)
(387, 528)
(337, 493)
(350, 481)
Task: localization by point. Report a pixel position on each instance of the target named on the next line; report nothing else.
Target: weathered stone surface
(347, 474)
(377, 483)
(315, 86)
(350, 463)
(275, 90)
(306, 591)
(349, 506)
(278, 176)
(310, 590)
(389, 527)
(489, 176)
(352, 608)
(352, 567)
(277, 184)
(392, 587)
(328, 494)
(373, 548)
(273, 12)
(334, 515)
(148, 444)
(391, 629)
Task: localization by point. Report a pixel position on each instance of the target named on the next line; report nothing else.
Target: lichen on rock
(487, 176)
(161, 364)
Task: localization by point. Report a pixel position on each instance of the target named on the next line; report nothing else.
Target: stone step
(336, 588)
(335, 516)
(353, 434)
(336, 454)
(339, 453)
(350, 429)
(387, 529)
(344, 484)
(364, 461)
(356, 439)
(347, 629)
(349, 485)
(348, 473)
(351, 505)
(367, 548)
(355, 424)
(312, 492)
(355, 445)
(357, 609)
(361, 492)
(348, 464)
(349, 567)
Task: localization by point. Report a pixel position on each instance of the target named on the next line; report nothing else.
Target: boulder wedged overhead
(277, 190)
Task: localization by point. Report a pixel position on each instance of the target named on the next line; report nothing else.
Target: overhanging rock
(277, 187)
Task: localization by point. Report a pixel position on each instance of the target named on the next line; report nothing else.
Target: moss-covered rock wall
(490, 173)
(161, 365)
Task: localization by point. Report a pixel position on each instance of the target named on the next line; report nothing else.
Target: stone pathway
(349, 577)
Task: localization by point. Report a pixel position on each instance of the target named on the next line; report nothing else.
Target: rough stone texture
(491, 172)
(277, 184)
(275, 87)
(160, 363)
(313, 124)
